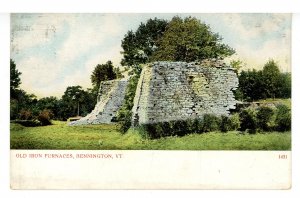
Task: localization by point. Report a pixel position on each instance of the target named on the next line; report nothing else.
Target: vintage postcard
(150, 101)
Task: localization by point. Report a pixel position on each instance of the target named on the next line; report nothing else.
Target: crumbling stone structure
(169, 91)
(110, 99)
(177, 90)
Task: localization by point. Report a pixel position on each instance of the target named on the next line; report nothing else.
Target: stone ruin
(110, 99)
(177, 90)
(170, 91)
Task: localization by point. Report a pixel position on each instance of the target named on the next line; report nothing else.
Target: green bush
(210, 123)
(225, 124)
(27, 123)
(283, 118)
(167, 128)
(151, 130)
(248, 120)
(180, 127)
(125, 123)
(264, 117)
(198, 126)
(234, 121)
(251, 131)
(160, 130)
(45, 117)
(170, 128)
(25, 114)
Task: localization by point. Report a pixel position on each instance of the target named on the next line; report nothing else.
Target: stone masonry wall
(110, 98)
(178, 90)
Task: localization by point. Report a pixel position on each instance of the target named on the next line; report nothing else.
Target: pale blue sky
(54, 51)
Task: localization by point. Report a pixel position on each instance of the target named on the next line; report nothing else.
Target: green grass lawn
(102, 137)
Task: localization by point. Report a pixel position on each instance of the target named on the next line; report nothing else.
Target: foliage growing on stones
(237, 65)
(124, 114)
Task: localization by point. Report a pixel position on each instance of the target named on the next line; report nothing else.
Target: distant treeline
(74, 101)
(262, 84)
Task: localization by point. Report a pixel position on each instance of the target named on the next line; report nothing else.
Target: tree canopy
(177, 40)
(271, 75)
(139, 46)
(15, 80)
(103, 72)
(266, 83)
(73, 97)
(190, 40)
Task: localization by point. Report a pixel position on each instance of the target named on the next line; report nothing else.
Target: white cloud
(88, 34)
(26, 35)
(38, 75)
(251, 26)
(262, 37)
(272, 49)
(42, 76)
(93, 39)
(82, 77)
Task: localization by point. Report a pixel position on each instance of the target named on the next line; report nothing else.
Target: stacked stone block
(177, 90)
(110, 99)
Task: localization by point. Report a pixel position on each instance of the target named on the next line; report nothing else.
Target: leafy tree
(266, 83)
(48, 103)
(21, 101)
(284, 85)
(26, 106)
(15, 80)
(237, 64)
(271, 76)
(118, 73)
(74, 96)
(139, 46)
(190, 40)
(45, 117)
(89, 102)
(75, 101)
(283, 118)
(251, 85)
(103, 72)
